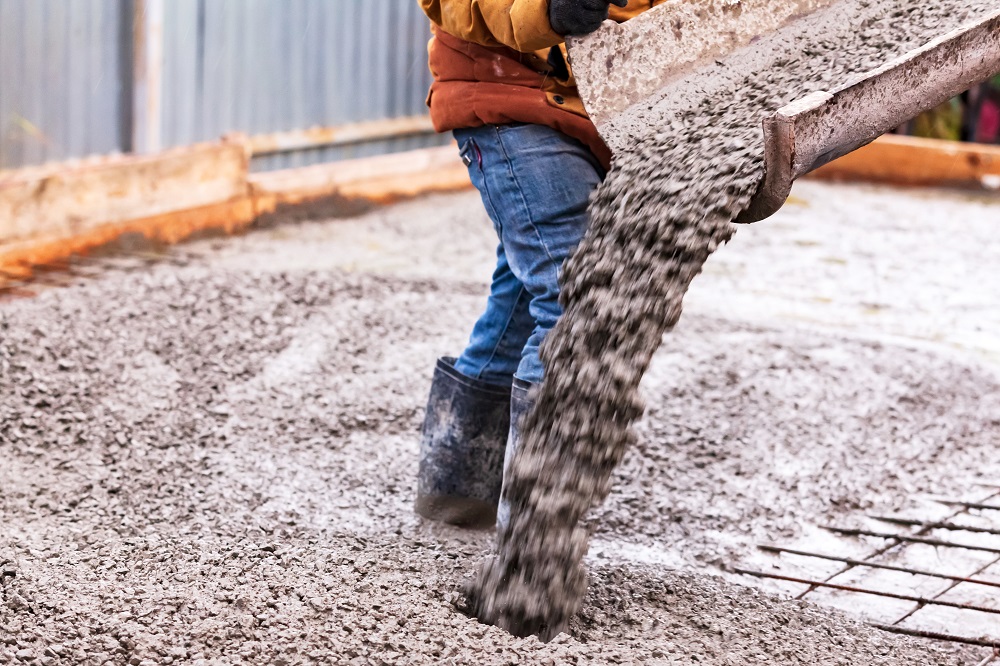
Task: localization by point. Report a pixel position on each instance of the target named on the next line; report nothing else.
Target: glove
(579, 17)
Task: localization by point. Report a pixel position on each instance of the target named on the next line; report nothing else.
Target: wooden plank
(227, 217)
(912, 161)
(380, 179)
(58, 211)
(52, 212)
(63, 200)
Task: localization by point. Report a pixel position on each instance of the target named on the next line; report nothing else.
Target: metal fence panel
(252, 66)
(261, 66)
(62, 67)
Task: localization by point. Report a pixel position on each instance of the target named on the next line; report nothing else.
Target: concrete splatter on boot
(462, 447)
(520, 404)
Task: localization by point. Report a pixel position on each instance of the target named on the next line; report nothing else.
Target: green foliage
(944, 122)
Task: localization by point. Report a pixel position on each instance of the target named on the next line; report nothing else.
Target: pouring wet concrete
(216, 462)
(690, 167)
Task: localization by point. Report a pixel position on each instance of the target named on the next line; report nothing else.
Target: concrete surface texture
(216, 462)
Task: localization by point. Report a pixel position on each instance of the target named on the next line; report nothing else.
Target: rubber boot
(520, 404)
(462, 448)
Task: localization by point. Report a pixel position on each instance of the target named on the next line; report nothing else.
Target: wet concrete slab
(225, 451)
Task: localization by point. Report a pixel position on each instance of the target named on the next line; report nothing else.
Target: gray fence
(69, 74)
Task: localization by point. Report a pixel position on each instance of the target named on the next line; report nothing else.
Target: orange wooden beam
(16, 259)
(912, 161)
(49, 214)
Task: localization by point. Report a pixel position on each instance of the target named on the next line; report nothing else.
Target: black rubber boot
(521, 403)
(462, 448)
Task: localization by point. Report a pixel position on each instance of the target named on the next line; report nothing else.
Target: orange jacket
(492, 64)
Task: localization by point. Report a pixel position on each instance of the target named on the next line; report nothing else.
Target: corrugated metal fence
(255, 66)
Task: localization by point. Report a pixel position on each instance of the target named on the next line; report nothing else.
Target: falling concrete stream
(690, 166)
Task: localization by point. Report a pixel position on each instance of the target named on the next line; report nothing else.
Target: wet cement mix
(218, 467)
(213, 466)
(691, 166)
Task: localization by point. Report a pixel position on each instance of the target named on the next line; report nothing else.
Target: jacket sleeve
(522, 25)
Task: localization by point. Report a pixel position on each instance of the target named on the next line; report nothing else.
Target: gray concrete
(216, 462)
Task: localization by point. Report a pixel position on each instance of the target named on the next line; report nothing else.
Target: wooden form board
(49, 213)
(62, 200)
(915, 162)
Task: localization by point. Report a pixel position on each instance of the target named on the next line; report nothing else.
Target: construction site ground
(212, 459)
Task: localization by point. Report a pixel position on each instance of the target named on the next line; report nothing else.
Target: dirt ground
(215, 462)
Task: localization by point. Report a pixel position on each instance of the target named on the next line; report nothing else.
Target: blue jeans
(535, 183)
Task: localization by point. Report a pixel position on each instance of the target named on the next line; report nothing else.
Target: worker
(503, 87)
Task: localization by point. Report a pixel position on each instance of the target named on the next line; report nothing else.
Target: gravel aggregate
(205, 465)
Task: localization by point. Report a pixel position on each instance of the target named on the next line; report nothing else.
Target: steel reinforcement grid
(975, 519)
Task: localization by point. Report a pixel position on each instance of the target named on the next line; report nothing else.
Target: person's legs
(494, 348)
(498, 338)
(535, 183)
(466, 423)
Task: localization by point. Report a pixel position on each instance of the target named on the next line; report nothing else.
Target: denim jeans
(535, 183)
